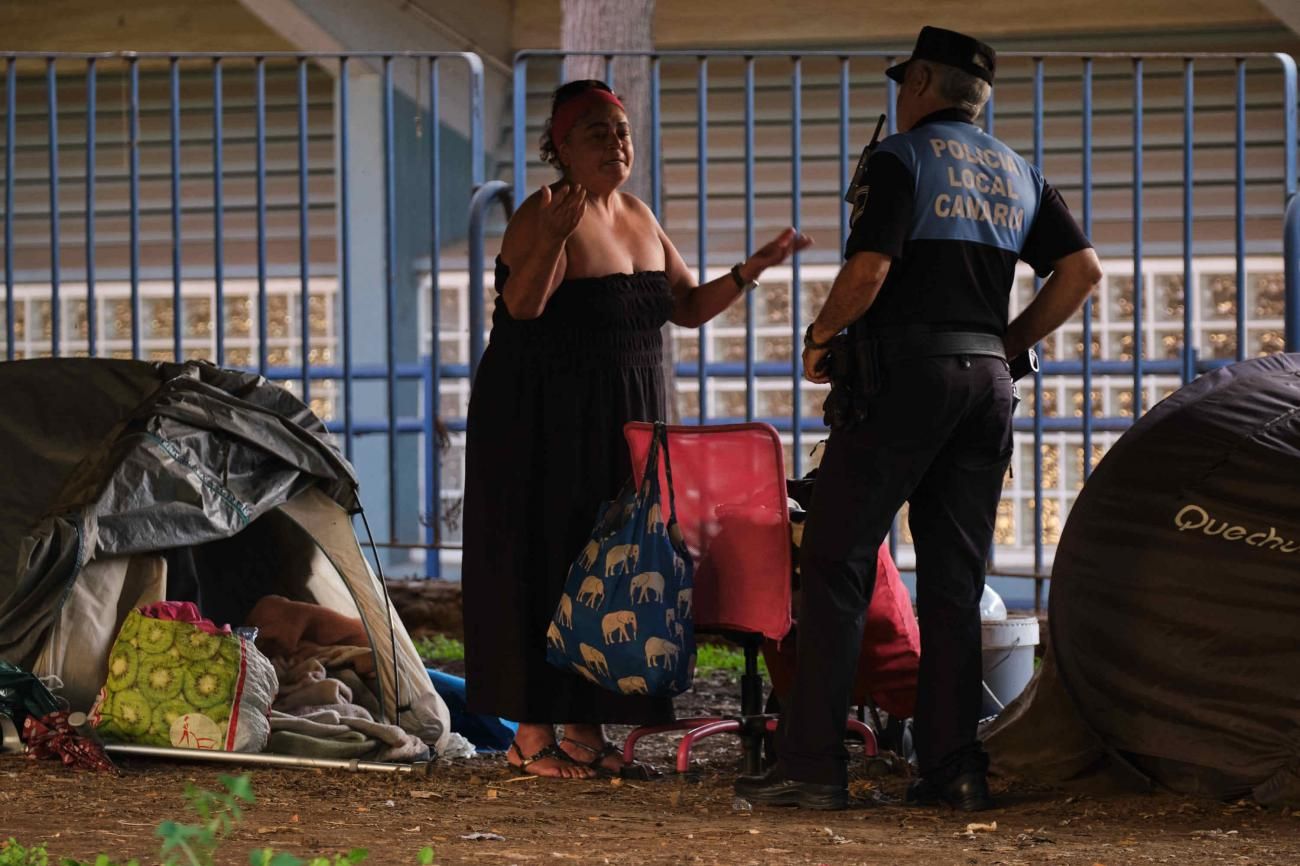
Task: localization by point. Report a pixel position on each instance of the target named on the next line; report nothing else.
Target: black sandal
(635, 771)
(551, 750)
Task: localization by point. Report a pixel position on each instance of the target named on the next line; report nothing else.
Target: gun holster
(1023, 364)
(855, 378)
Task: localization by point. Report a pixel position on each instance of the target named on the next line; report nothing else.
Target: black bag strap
(661, 435)
(650, 475)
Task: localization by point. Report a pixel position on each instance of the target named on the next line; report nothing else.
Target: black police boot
(967, 792)
(773, 789)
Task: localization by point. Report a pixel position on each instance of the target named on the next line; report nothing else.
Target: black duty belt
(938, 343)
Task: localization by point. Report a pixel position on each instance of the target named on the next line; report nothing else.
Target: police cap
(951, 49)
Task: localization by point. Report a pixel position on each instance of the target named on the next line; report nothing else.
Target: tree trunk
(621, 25)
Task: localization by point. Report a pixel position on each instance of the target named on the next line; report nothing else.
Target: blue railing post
(178, 318)
(493, 190)
(520, 102)
(432, 481)
(52, 112)
(304, 239)
(1087, 230)
(1139, 298)
(656, 142)
(133, 144)
(1239, 208)
(263, 306)
(796, 285)
(891, 98)
(218, 234)
(702, 221)
(91, 313)
(478, 168)
(1291, 226)
(11, 111)
(345, 261)
(891, 127)
(390, 289)
(1038, 374)
(844, 150)
(750, 396)
(433, 390)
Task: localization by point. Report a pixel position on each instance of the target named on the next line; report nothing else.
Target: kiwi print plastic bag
(170, 683)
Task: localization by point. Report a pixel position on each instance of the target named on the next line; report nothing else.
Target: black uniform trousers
(938, 436)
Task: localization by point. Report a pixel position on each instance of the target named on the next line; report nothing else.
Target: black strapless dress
(544, 448)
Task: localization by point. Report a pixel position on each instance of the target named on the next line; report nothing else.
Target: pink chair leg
(863, 730)
(699, 728)
(716, 726)
(868, 736)
(629, 745)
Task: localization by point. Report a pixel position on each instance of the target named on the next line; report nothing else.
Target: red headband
(571, 111)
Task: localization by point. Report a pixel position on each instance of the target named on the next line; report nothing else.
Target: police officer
(930, 261)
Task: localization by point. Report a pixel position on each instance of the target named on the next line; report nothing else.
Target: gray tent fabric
(203, 470)
(202, 455)
(73, 407)
(1175, 602)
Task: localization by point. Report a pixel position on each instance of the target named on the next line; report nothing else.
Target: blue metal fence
(683, 78)
(183, 130)
(536, 72)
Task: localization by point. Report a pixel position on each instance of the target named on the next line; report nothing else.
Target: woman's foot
(534, 752)
(586, 745)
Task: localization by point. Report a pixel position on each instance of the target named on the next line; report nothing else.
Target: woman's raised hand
(777, 250)
(562, 210)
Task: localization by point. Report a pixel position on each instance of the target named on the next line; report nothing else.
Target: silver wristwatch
(741, 283)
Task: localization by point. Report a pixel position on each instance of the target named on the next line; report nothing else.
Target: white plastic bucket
(1008, 659)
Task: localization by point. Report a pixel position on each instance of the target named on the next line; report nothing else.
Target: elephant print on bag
(633, 686)
(621, 554)
(624, 620)
(684, 605)
(554, 638)
(586, 674)
(590, 553)
(594, 658)
(654, 520)
(651, 586)
(615, 626)
(592, 592)
(657, 648)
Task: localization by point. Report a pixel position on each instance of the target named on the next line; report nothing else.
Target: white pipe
(423, 768)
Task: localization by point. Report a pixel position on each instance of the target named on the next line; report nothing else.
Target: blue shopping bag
(625, 620)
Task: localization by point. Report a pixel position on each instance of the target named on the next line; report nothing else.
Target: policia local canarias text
(987, 183)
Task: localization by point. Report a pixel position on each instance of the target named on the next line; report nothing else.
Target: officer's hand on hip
(816, 368)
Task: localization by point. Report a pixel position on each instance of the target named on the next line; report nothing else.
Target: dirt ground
(668, 821)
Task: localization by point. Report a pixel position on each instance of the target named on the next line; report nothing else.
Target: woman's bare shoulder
(637, 208)
(521, 226)
(528, 208)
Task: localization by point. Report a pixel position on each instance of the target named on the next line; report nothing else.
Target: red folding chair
(729, 484)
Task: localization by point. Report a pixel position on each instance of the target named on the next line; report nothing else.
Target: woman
(585, 280)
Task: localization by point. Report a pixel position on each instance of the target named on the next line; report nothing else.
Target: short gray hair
(962, 89)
